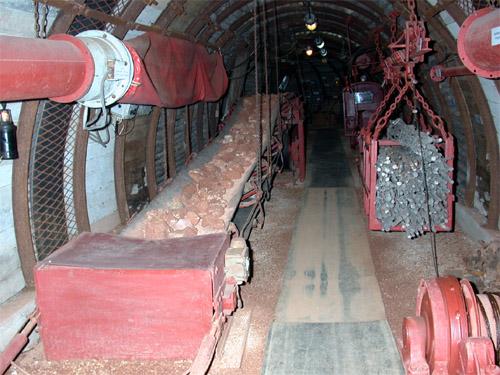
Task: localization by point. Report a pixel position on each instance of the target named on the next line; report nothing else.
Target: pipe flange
(113, 65)
(478, 42)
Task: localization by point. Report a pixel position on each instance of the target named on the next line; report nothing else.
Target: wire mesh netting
(161, 151)
(470, 6)
(50, 181)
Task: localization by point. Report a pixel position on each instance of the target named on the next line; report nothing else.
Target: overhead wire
(268, 99)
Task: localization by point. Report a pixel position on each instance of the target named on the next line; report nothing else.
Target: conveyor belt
(204, 196)
(330, 318)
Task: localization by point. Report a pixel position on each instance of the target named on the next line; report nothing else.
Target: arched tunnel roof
(229, 24)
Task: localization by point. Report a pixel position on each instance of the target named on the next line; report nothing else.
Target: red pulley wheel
(441, 305)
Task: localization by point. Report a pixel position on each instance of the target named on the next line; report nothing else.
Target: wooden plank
(236, 340)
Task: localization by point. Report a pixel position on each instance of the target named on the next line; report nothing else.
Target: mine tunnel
(249, 187)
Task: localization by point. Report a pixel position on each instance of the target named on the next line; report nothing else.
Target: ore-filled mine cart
(407, 169)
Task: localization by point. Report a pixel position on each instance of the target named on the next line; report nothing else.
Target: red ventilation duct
(95, 67)
(180, 72)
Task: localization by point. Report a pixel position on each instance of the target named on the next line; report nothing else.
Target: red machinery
(96, 69)
(107, 296)
(407, 51)
(360, 99)
(439, 73)
(478, 46)
(454, 331)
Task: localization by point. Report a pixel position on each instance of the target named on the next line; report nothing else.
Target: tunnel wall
(476, 147)
(104, 199)
(17, 20)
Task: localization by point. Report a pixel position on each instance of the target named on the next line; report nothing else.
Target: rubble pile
(484, 267)
(400, 190)
(205, 204)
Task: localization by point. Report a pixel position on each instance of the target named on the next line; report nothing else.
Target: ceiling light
(310, 21)
(323, 52)
(309, 51)
(319, 42)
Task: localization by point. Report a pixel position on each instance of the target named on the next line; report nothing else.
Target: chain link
(382, 122)
(37, 17)
(376, 115)
(437, 121)
(43, 31)
(411, 8)
(40, 31)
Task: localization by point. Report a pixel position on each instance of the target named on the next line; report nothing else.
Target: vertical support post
(80, 189)
(212, 121)
(151, 152)
(200, 119)
(171, 116)
(187, 133)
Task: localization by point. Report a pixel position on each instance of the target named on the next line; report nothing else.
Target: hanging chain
(411, 8)
(437, 121)
(376, 115)
(40, 28)
(37, 19)
(382, 122)
(43, 31)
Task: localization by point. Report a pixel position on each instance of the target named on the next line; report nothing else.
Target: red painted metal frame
(439, 73)
(407, 51)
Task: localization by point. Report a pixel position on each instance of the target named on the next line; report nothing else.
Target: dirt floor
(400, 264)
(269, 254)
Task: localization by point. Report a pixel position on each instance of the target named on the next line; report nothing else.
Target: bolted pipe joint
(113, 69)
(94, 68)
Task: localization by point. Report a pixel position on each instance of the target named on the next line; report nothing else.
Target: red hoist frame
(407, 51)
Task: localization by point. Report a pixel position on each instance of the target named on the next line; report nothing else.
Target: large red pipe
(95, 66)
(60, 67)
